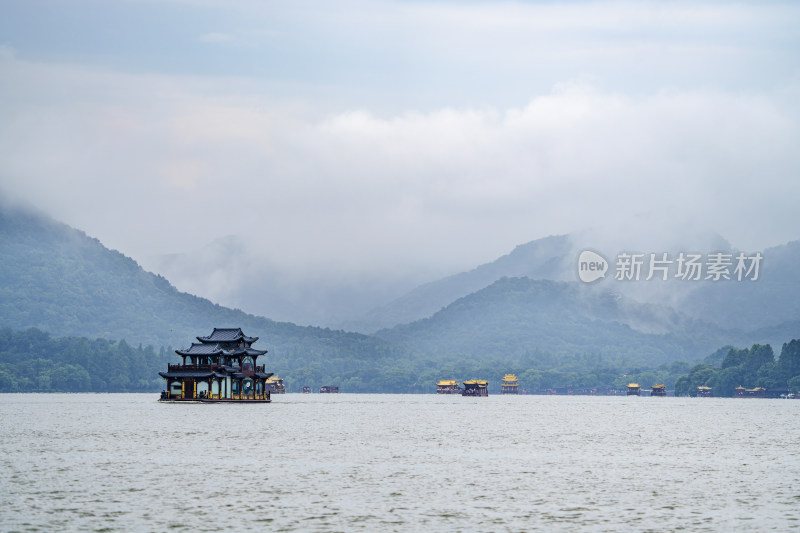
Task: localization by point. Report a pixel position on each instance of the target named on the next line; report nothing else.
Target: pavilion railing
(201, 368)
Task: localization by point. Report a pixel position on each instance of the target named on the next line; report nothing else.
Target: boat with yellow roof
(476, 387)
(275, 385)
(703, 392)
(447, 386)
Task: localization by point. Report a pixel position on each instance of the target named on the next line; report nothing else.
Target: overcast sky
(410, 135)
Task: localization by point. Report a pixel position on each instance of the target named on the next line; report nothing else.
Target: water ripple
(399, 463)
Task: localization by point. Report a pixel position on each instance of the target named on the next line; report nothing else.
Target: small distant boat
(703, 392)
(306, 390)
(634, 389)
(476, 387)
(329, 389)
(447, 386)
(510, 384)
(659, 390)
(757, 392)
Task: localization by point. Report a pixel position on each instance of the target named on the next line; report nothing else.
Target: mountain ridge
(66, 283)
(60, 280)
(540, 258)
(536, 314)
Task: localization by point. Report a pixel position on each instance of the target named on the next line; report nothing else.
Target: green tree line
(32, 361)
(746, 367)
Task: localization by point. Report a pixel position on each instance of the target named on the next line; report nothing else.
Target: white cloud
(507, 122)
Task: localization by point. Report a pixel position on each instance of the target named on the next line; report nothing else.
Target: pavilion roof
(216, 349)
(227, 335)
(251, 351)
(201, 349)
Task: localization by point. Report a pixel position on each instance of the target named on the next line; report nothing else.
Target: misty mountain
(771, 300)
(546, 258)
(515, 317)
(257, 284)
(63, 282)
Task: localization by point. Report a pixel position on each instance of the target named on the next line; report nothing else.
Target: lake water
(347, 462)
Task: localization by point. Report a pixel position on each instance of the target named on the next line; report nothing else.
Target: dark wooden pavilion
(220, 368)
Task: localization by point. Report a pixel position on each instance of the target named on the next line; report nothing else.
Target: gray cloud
(420, 137)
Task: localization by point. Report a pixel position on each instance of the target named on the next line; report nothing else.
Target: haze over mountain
(65, 283)
(364, 165)
(555, 258)
(231, 271)
(546, 258)
(409, 142)
(514, 317)
(367, 303)
(61, 281)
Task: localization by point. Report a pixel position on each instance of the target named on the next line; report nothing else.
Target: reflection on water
(399, 462)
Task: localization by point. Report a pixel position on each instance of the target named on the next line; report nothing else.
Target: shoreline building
(222, 367)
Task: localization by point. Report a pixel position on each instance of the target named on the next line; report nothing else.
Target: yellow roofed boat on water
(476, 387)
(275, 385)
(447, 386)
(703, 392)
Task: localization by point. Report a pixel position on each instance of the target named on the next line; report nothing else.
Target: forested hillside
(545, 258)
(32, 361)
(61, 281)
(80, 317)
(748, 368)
(516, 316)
